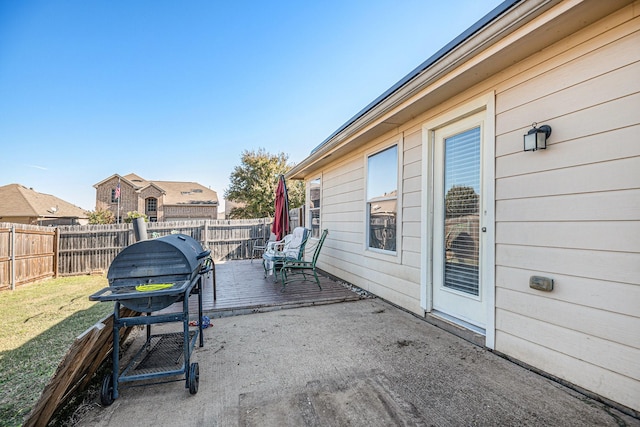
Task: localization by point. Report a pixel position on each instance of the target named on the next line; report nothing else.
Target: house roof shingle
(18, 200)
(175, 192)
(187, 193)
(136, 180)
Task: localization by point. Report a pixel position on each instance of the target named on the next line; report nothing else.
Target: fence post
(205, 227)
(13, 257)
(56, 251)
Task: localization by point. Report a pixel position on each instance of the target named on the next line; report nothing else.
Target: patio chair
(291, 270)
(259, 245)
(289, 248)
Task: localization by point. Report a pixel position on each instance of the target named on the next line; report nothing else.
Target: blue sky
(176, 90)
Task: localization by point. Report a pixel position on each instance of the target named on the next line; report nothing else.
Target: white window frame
(310, 210)
(381, 254)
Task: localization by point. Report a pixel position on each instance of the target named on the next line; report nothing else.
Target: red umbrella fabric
(281, 218)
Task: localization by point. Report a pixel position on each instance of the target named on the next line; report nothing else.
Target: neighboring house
(159, 200)
(22, 205)
(476, 220)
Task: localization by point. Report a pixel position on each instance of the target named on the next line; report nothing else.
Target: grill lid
(175, 256)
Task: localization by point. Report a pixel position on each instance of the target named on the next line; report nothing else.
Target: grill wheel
(194, 377)
(106, 393)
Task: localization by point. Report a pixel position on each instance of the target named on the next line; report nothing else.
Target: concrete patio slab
(362, 363)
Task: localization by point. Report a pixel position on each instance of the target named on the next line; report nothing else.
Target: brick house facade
(159, 200)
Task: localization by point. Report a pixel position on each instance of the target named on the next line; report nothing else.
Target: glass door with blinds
(457, 237)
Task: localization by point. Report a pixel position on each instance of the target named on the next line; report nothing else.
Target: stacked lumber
(76, 369)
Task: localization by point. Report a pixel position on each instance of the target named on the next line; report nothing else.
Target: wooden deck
(241, 288)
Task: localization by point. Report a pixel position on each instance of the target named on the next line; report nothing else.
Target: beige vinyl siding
(342, 200)
(572, 212)
(412, 205)
(343, 213)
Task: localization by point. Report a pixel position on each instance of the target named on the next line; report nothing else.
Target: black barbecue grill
(147, 277)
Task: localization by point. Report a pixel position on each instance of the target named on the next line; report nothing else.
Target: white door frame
(484, 103)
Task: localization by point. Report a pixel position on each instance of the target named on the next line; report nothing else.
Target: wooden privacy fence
(27, 254)
(87, 248)
(227, 239)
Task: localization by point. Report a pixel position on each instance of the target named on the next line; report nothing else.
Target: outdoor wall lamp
(536, 138)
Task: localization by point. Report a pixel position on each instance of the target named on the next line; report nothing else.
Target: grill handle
(203, 254)
(206, 267)
(96, 296)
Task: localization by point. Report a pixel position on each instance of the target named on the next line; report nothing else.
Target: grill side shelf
(119, 293)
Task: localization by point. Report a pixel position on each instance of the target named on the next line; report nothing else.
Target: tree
(101, 216)
(253, 184)
(460, 201)
(133, 215)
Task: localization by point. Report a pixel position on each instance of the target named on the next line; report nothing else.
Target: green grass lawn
(38, 324)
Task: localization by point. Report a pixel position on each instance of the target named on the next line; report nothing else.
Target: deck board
(241, 288)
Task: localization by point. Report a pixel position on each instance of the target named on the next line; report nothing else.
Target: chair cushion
(292, 249)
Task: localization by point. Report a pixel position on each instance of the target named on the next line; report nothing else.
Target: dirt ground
(363, 363)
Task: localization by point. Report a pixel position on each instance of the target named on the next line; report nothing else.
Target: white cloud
(38, 167)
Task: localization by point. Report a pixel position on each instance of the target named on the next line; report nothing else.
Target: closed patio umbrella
(281, 218)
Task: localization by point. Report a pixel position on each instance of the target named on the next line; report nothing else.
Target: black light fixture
(536, 138)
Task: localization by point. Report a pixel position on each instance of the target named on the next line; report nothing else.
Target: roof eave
(468, 33)
(502, 20)
(152, 184)
(115, 175)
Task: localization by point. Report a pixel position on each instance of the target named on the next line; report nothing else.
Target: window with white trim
(313, 197)
(382, 199)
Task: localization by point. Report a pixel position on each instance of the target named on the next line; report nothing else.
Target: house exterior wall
(31, 220)
(53, 222)
(103, 196)
(180, 213)
(135, 200)
(128, 197)
(146, 193)
(343, 213)
(571, 212)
